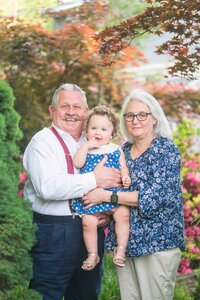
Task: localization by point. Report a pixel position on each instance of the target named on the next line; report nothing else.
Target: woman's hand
(95, 197)
(103, 220)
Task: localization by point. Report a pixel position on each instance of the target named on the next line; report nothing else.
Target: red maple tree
(179, 18)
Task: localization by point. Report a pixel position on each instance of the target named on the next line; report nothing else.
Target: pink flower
(195, 212)
(191, 178)
(186, 270)
(184, 266)
(106, 231)
(190, 219)
(191, 244)
(22, 177)
(192, 165)
(196, 229)
(187, 208)
(184, 189)
(194, 250)
(190, 232)
(20, 193)
(22, 180)
(186, 214)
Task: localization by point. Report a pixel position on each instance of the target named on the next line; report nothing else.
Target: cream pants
(149, 277)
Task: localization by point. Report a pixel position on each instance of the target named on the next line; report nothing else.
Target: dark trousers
(57, 259)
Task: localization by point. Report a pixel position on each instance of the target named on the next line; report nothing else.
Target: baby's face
(100, 129)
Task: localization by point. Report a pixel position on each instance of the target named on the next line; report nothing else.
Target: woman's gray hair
(161, 128)
(68, 87)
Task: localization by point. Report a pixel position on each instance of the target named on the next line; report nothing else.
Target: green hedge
(16, 228)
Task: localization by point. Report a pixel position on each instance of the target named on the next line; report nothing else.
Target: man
(59, 251)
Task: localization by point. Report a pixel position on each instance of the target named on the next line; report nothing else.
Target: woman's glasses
(142, 116)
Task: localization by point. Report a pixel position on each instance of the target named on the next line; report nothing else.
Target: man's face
(69, 113)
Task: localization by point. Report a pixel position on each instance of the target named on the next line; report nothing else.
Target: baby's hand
(92, 144)
(126, 180)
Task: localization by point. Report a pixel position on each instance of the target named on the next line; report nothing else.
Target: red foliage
(40, 61)
(180, 19)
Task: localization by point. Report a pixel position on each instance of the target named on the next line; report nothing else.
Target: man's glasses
(142, 116)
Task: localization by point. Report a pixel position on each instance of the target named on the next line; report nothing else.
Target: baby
(101, 128)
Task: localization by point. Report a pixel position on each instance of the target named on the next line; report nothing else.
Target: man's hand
(107, 177)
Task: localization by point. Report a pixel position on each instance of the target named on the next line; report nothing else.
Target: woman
(156, 213)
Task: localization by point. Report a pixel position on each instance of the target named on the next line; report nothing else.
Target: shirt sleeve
(47, 171)
(161, 185)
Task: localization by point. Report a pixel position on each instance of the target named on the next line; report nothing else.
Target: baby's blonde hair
(102, 110)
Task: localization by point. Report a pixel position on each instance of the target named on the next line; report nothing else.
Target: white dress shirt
(49, 186)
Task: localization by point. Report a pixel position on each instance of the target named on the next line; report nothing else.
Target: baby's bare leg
(90, 223)
(90, 236)
(122, 228)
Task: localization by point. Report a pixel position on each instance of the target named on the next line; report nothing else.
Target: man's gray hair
(161, 128)
(68, 87)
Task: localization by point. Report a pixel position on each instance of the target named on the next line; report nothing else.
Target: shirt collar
(68, 137)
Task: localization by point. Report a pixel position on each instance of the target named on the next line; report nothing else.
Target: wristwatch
(114, 198)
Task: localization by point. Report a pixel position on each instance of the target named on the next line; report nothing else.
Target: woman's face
(139, 129)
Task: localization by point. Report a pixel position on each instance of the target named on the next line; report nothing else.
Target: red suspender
(70, 166)
(68, 157)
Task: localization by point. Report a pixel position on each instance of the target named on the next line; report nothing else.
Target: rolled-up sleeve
(47, 171)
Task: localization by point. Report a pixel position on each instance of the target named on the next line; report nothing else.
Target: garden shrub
(190, 172)
(16, 228)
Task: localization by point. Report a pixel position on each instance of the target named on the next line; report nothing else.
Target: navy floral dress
(93, 158)
(157, 223)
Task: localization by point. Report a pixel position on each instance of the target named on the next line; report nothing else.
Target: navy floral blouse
(157, 223)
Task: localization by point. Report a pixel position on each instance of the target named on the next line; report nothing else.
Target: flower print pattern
(91, 161)
(157, 223)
